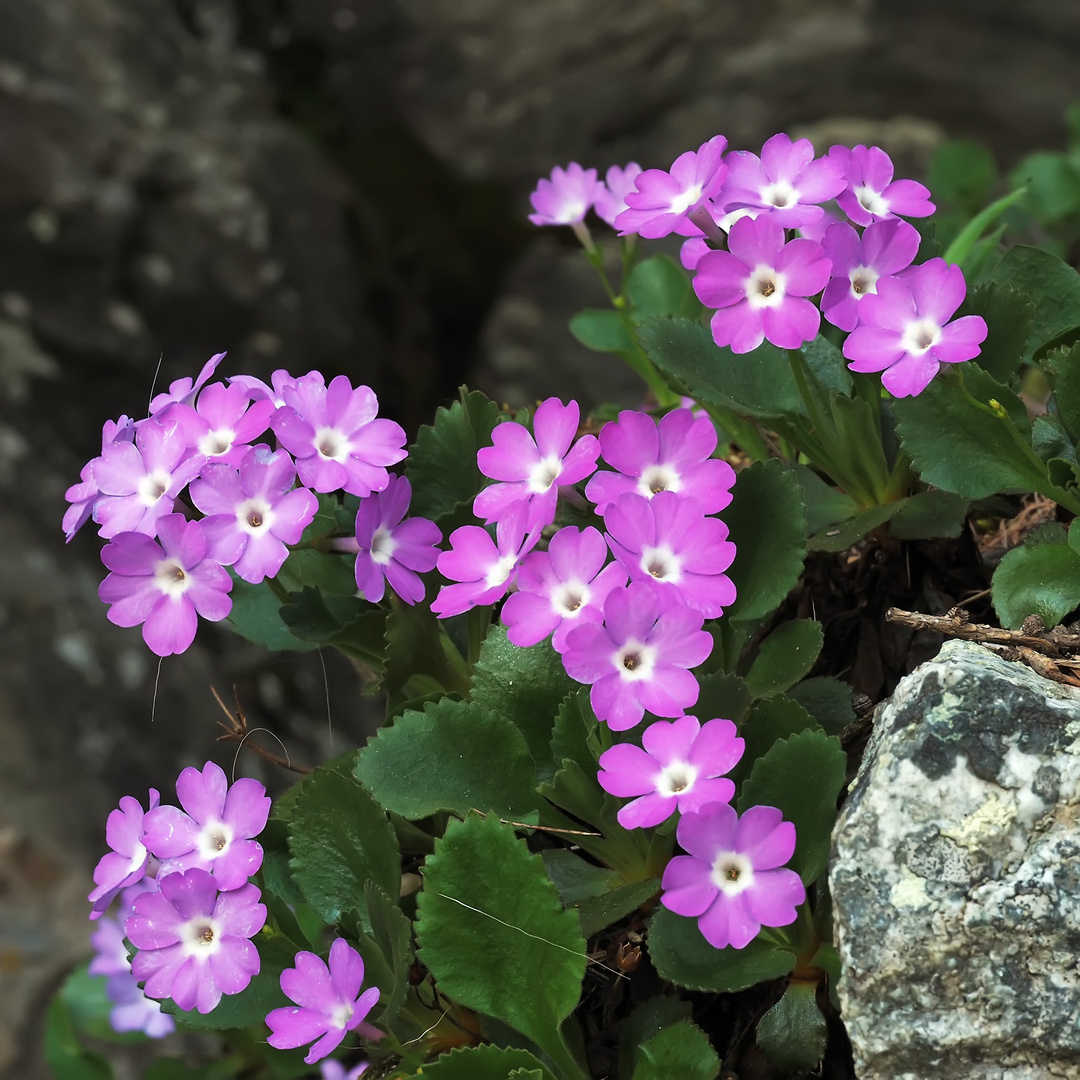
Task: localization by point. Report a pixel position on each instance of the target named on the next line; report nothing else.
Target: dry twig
(236, 730)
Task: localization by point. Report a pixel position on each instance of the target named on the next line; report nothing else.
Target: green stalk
(741, 430)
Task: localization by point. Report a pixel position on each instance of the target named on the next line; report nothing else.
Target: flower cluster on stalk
(766, 234)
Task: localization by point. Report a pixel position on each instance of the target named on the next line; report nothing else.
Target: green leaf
(962, 245)
(250, 1006)
(493, 933)
(827, 700)
(599, 912)
(1009, 317)
(785, 656)
(681, 955)
(483, 1063)
(825, 505)
(340, 839)
(681, 1050)
(959, 447)
(391, 930)
(962, 174)
(602, 330)
(90, 1007)
(793, 1032)
(442, 463)
(575, 878)
(348, 623)
(1051, 283)
(1050, 440)
(527, 687)
(575, 723)
(659, 286)
(1053, 185)
(1063, 367)
(722, 695)
(828, 367)
(1036, 579)
(67, 1057)
(841, 535)
(930, 514)
(759, 383)
(767, 523)
(326, 518)
(770, 720)
(256, 617)
(416, 646)
(802, 776)
(648, 1019)
(452, 756)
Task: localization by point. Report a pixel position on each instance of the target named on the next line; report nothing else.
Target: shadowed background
(342, 184)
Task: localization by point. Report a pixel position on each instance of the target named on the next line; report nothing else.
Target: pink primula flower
(731, 880)
(185, 390)
(126, 864)
(758, 286)
(532, 468)
(223, 423)
(164, 586)
(84, 495)
(611, 199)
(904, 329)
(871, 193)
(566, 198)
(681, 768)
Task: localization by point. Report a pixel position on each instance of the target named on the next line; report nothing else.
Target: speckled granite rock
(956, 879)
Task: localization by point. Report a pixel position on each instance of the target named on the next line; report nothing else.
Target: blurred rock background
(342, 184)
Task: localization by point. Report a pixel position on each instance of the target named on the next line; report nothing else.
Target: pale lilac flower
(639, 657)
(786, 181)
(672, 455)
(254, 512)
(163, 586)
(217, 831)
(184, 390)
(871, 193)
(663, 201)
(668, 543)
(566, 198)
(681, 768)
(223, 423)
(611, 198)
(139, 481)
(84, 494)
(561, 587)
(886, 248)
(484, 569)
(816, 230)
(389, 549)
(331, 1069)
(259, 391)
(193, 941)
(532, 468)
(758, 286)
(133, 1010)
(127, 863)
(904, 330)
(730, 876)
(334, 434)
(328, 1002)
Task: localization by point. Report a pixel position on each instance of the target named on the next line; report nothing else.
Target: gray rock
(956, 881)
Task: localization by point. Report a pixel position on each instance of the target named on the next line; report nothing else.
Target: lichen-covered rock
(956, 877)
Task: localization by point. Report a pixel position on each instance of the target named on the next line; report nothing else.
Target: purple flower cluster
(740, 212)
(182, 877)
(167, 567)
(186, 902)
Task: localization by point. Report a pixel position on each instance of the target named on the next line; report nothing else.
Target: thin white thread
(153, 382)
(153, 703)
(326, 687)
(432, 1028)
(240, 746)
(535, 937)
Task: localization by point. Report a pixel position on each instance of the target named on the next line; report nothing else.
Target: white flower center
(574, 208)
(765, 287)
(383, 546)
(152, 486)
(544, 473)
(571, 598)
(216, 443)
(500, 571)
(676, 778)
(200, 937)
(331, 444)
(661, 563)
(732, 873)
(681, 203)
(863, 281)
(657, 478)
(920, 335)
(340, 1015)
(171, 578)
(871, 201)
(255, 516)
(634, 661)
(780, 194)
(214, 840)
